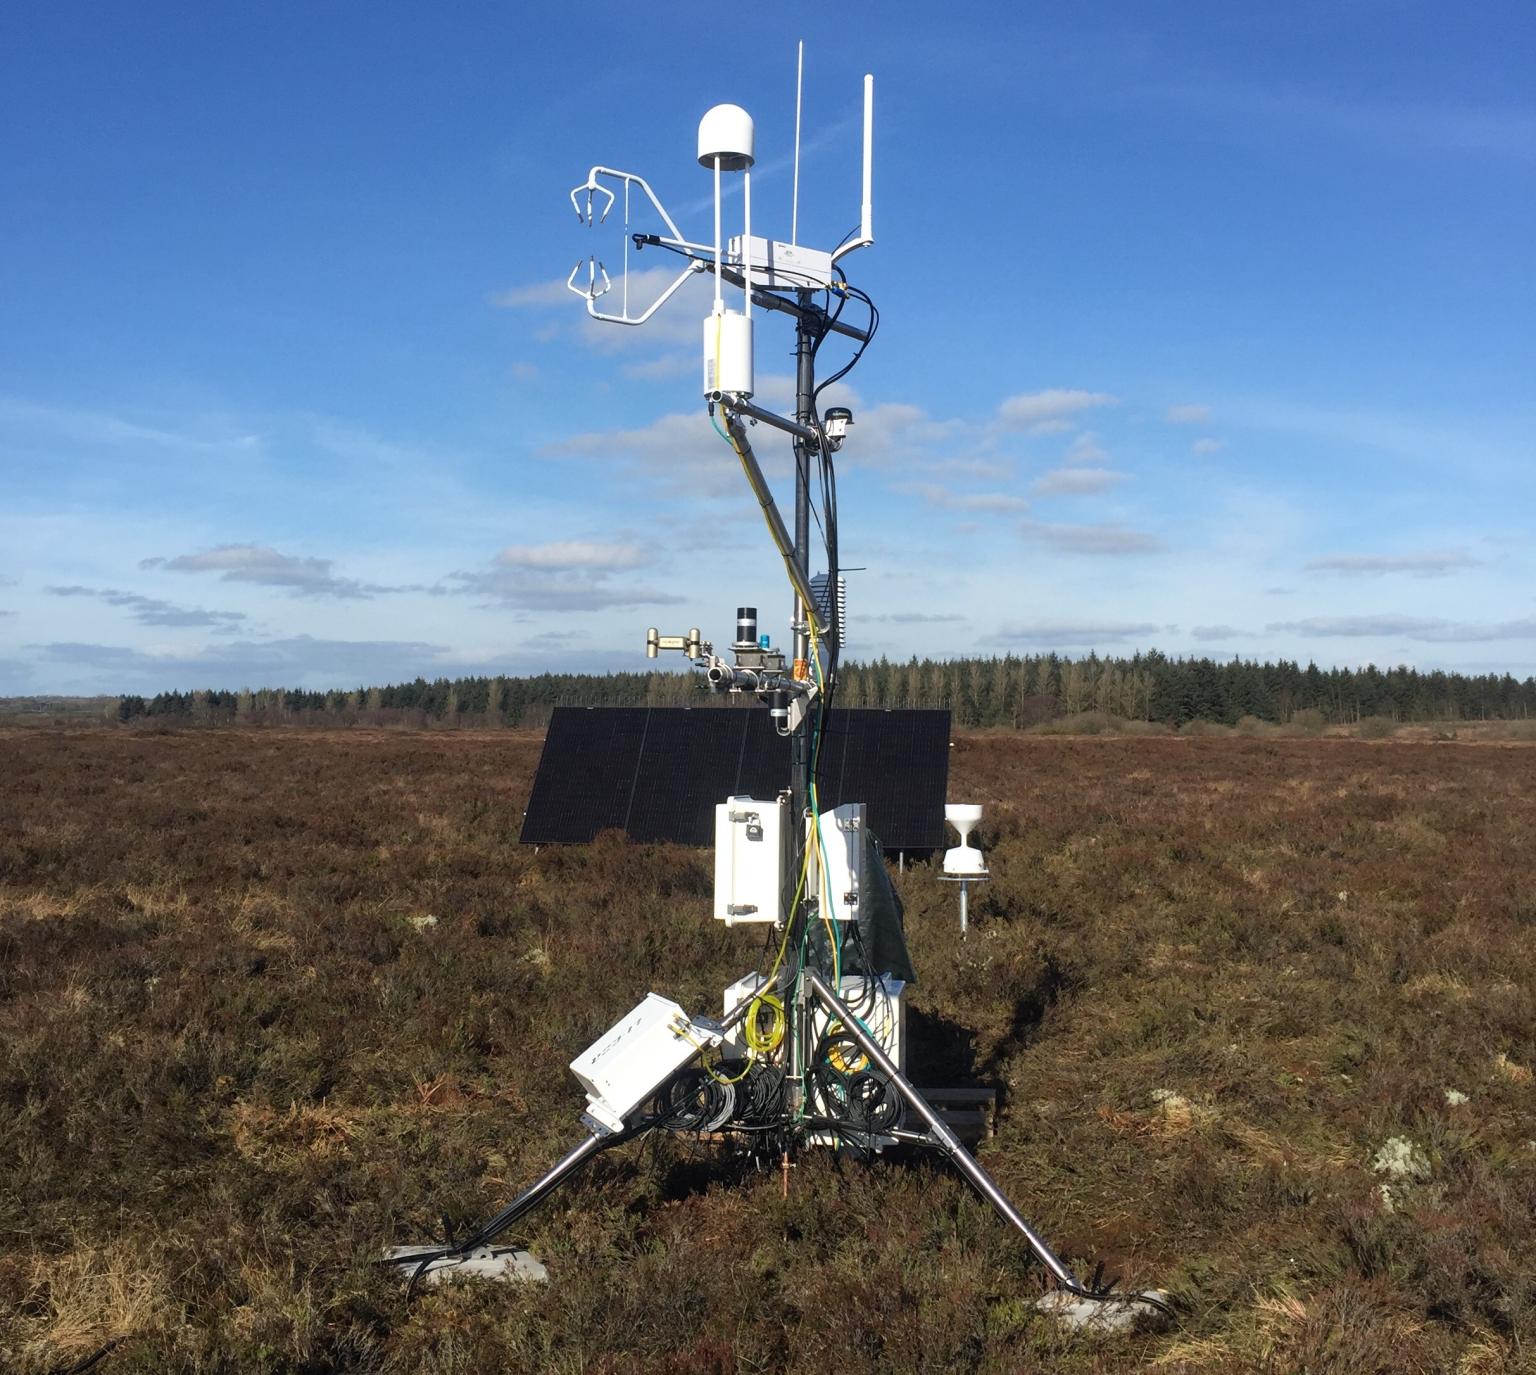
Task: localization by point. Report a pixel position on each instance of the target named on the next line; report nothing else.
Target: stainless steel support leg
(962, 1159)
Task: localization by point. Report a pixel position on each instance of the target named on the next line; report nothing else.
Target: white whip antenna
(794, 205)
(867, 213)
(866, 208)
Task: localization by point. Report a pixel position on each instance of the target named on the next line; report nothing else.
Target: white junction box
(728, 354)
(636, 1055)
(734, 1046)
(842, 838)
(777, 264)
(749, 860)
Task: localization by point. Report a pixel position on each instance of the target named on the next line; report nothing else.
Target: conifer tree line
(1016, 691)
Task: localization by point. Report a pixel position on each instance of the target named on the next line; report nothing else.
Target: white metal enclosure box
(749, 860)
(842, 882)
(634, 1057)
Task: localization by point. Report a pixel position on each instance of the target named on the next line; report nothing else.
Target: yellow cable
(765, 1043)
(681, 1029)
(786, 554)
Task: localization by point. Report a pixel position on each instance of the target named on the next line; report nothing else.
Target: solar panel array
(658, 772)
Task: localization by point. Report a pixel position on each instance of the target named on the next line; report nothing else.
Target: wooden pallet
(969, 1113)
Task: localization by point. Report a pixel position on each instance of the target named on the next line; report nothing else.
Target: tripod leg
(945, 1140)
(423, 1259)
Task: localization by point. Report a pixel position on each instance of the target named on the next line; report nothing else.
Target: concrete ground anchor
(1120, 1314)
(504, 1263)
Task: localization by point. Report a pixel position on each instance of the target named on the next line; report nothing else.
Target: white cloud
(935, 495)
(1072, 632)
(569, 554)
(525, 590)
(1045, 412)
(916, 618)
(677, 322)
(1429, 564)
(563, 575)
(1207, 446)
(296, 661)
(255, 563)
(682, 450)
(1087, 450)
(1076, 481)
(1433, 630)
(152, 610)
(1108, 540)
(1188, 415)
(535, 295)
(100, 428)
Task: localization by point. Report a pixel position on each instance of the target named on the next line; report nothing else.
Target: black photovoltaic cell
(658, 772)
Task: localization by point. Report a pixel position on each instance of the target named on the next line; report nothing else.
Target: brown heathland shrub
(271, 1001)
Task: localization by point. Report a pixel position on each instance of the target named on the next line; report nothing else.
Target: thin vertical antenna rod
(718, 306)
(794, 206)
(867, 215)
(746, 237)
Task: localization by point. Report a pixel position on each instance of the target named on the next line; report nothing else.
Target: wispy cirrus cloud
(1047, 633)
(1086, 451)
(917, 617)
(563, 575)
(1428, 629)
(1075, 481)
(256, 563)
(1049, 411)
(1204, 448)
(294, 661)
(1110, 540)
(153, 610)
(1192, 414)
(200, 435)
(1002, 503)
(564, 555)
(675, 323)
(1425, 564)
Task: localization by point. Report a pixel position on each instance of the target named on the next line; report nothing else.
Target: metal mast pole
(800, 745)
(797, 1031)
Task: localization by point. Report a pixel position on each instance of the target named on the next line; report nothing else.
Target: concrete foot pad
(1105, 1316)
(485, 1262)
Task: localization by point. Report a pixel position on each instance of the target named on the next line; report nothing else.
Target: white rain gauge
(964, 864)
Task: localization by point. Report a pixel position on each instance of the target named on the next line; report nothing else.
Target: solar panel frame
(658, 772)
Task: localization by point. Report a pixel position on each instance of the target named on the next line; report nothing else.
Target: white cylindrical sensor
(727, 354)
(726, 133)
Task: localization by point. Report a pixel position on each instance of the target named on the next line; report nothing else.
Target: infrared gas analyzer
(810, 1049)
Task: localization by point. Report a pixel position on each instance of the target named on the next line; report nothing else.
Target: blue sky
(1206, 327)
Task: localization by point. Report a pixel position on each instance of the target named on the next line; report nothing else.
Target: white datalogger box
(841, 880)
(749, 860)
(776, 264)
(636, 1056)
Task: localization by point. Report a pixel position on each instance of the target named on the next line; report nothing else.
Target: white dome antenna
(726, 136)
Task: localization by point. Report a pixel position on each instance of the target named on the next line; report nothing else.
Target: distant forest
(1015, 691)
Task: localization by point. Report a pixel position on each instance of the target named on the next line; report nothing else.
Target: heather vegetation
(1012, 692)
(1260, 1011)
